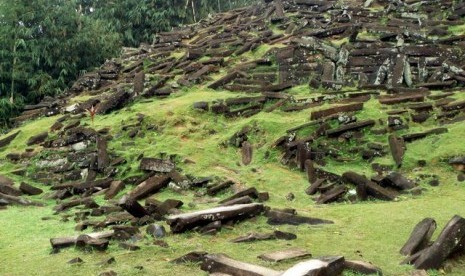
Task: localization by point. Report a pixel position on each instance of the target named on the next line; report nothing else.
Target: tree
(13, 49)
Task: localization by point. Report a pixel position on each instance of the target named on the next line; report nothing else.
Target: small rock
(71, 108)
(161, 243)
(434, 182)
(394, 121)
(79, 146)
(37, 139)
(108, 261)
(419, 273)
(284, 235)
(188, 161)
(346, 119)
(201, 105)
(98, 244)
(6, 181)
(156, 231)
(191, 257)
(362, 268)
(108, 273)
(264, 196)
(75, 261)
(145, 220)
(290, 196)
(416, 191)
(82, 240)
(129, 246)
(461, 177)
(267, 155)
(29, 190)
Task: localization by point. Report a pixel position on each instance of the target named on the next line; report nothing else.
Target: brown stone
(235, 201)
(349, 127)
(87, 202)
(156, 165)
(150, 186)
(6, 181)
(420, 135)
(29, 190)
(450, 239)
(325, 266)
(37, 139)
(139, 80)
(250, 192)
(183, 222)
(284, 255)
(7, 140)
(398, 181)
(281, 218)
(191, 257)
(402, 99)
(334, 110)
(397, 146)
(371, 188)
(247, 152)
(58, 243)
(115, 101)
(133, 207)
(332, 195)
(225, 80)
(212, 191)
(314, 187)
(102, 155)
(420, 237)
(362, 267)
(114, 189)
(220, 263)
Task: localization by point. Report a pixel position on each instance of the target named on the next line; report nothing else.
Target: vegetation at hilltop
(46, 44)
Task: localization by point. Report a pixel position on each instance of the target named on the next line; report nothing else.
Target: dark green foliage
(8, 109)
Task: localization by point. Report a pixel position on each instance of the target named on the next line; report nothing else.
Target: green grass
(368, 35)
(29, 129)
(177, 54)
(260, 51)
(457, 30)
(376, 230)
(340, 42)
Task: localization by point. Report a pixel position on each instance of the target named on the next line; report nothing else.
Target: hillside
(333, 127)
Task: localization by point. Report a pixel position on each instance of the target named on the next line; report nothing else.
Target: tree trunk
(193, 11)
(79, 20)
(13, 67)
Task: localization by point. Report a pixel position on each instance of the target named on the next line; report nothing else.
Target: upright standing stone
(102, 159)
(397, 146)
(139, 80)
(310, 171)
(247, 153)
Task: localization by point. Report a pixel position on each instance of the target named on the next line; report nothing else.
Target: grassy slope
(372, 231)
